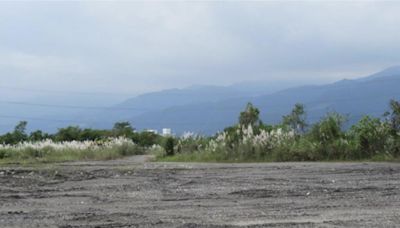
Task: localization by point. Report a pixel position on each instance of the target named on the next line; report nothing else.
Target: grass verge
(52, 155)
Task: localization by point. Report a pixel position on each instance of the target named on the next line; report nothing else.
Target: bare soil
(136, 193)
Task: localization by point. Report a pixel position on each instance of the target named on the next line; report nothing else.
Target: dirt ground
(136, 193)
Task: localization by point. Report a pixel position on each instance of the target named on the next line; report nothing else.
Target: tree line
(75, 133)
(294, 138)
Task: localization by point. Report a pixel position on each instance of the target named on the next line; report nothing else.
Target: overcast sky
(131, 47)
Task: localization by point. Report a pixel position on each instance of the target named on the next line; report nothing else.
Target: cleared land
(135, 193)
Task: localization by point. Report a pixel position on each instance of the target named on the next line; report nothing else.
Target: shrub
(190, 142)
(329, 128)
(71, 133)
(169, 146)
(250, 116)
(371, 136)
(146, 138)
(296, 120)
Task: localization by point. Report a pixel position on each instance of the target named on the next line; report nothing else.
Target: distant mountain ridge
(50, 118)
(364, 96)
(207, 109)
(388, 72)
(166, 100)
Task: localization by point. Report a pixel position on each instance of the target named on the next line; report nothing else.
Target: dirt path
(135, 193)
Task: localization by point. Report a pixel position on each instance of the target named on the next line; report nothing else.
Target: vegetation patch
(50, 151)
(250, 140)
(372, 139)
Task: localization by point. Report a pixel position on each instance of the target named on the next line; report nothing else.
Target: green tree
(329, 128)
(296, 120)
(21, 127)
(94, 134)
(16, 136)
(250, 116)
(394, 117)
(371, 135)
(7, 138)
(20, 132)
(146, 138)
(69, 134)
(38, 136)
(394, 123)
(123, 129)
(169, 146)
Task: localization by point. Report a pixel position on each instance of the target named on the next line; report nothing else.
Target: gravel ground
(136, 193)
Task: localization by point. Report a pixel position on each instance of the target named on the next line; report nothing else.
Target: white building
(166, 131)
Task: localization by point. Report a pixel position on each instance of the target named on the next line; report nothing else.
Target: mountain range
(207, 109)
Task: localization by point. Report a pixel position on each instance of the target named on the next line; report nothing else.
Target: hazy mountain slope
(49, 110)
(158, 101)
(207, 109)
(354, 98)
(388, 72)
(166, 101)
(49, 118)
(368, 95)
(257, 88)
(176, 97)
(202, 118)
(193, 96)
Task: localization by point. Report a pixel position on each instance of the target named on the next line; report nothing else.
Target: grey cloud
(138, 47)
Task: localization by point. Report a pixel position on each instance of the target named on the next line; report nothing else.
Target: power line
(64, 91)
(328, 102)
(74, 121)
(35, 118)
(70, 106)
(143, 109)
(312, 118)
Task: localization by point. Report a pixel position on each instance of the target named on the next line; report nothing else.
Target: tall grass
(49, 151)
(248, 145)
